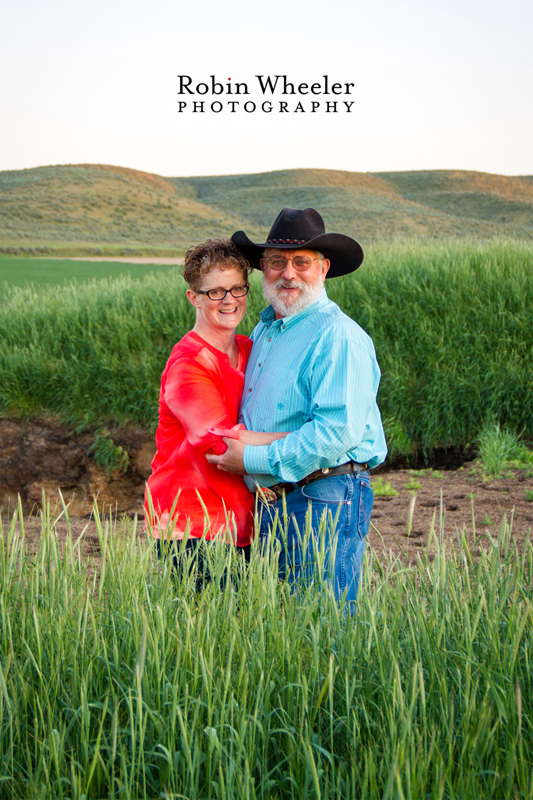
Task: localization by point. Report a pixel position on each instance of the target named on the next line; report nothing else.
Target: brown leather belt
(272, 494)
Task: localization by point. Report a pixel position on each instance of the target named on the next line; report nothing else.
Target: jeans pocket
(333, 491)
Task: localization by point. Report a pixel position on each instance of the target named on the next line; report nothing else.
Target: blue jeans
(336, 513)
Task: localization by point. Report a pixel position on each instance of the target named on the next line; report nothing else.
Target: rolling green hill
(105, 210)
(476, 195)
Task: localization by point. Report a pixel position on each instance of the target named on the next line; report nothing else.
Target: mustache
(282, 283)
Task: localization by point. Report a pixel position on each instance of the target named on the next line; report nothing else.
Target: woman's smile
(226, 312)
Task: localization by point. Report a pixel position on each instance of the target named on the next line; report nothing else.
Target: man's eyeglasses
(219, 294)
(301, 263)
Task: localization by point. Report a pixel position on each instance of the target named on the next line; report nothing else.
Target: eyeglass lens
(235, 291)
(279, 262)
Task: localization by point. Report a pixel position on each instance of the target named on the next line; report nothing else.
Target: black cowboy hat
(305, 230)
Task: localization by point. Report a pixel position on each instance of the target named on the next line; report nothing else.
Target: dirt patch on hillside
(40, 458)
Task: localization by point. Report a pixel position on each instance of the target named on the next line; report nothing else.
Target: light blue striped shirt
(314, 374)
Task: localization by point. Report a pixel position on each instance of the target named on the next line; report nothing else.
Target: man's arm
(342, 390)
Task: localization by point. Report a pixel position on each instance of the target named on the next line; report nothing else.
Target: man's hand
(232, 460)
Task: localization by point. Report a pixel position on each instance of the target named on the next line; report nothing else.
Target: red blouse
(199, 390)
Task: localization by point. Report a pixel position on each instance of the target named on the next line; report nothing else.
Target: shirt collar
(268, 315)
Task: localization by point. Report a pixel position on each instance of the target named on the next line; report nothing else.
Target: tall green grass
(452, 324)
(453, 328)
(123, 683)
(91, 352)
(499, 449)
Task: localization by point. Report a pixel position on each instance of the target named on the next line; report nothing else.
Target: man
(313, 373)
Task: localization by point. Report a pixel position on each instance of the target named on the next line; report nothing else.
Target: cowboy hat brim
(344, 253)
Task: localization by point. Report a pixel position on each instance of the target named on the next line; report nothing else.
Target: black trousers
(191, 558)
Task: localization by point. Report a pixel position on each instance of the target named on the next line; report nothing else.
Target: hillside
(99, 208)
(476, 195)
(93, 205)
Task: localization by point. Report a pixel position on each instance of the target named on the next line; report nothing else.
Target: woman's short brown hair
(202, 258)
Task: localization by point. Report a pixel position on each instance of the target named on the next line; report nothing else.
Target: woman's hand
(229, 433)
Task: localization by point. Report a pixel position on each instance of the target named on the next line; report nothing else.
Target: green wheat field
(124, 683)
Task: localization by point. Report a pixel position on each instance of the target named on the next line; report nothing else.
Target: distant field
(53, 272)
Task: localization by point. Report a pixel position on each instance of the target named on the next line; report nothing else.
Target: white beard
(309, 292)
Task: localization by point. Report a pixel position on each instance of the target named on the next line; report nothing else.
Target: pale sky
(441, 84)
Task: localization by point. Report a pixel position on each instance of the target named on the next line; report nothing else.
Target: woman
(201, 389)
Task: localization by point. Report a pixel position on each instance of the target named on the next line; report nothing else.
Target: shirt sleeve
(192, 394)
(342, 386)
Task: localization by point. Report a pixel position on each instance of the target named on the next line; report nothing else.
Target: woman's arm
(194, 397)
(258, 438)
(240, 433)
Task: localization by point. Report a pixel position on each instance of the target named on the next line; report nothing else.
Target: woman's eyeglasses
(219, 294)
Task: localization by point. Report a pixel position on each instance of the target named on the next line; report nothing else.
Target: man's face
(290, 290)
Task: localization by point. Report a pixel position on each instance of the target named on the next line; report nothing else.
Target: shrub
(107, 454)
(497, 447)
(383, 488)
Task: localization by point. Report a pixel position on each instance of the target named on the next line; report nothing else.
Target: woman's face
(219, 314)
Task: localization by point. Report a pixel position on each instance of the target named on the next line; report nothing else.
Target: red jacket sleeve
(196, 398)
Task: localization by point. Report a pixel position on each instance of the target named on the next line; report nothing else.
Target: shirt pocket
(278, 395)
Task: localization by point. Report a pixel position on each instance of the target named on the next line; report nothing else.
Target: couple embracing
(290, 414)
